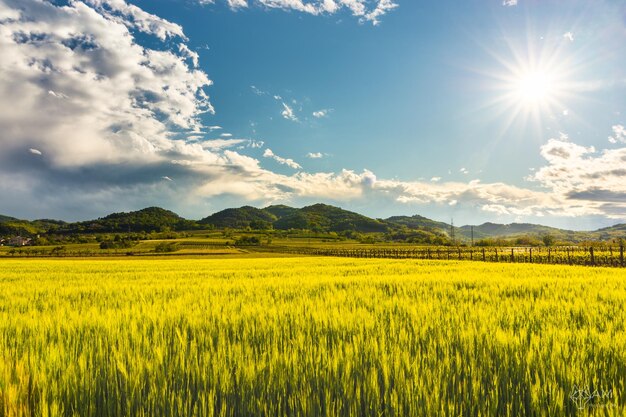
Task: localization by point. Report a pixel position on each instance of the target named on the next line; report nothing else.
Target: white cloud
(57, 95)
(74, 81)
(509, 3)
(132, 16)
(366, 10)
(464, 171)
(569, 36)
(315, 155)
(256, 144)
(435, 179)
(288, 113)
(322, 113)
(222, 143)
(237, 4)
(257, 91)
(166, 178)
(226, 135)
(619, 134)
(35, 151)
(283, 161)
(188, 53)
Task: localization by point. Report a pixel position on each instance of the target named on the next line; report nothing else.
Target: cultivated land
(309, 337)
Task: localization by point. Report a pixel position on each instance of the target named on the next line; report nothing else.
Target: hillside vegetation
(317, 218)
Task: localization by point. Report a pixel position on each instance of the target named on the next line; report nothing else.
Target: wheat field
(310, 337)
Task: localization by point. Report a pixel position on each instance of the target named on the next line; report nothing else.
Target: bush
(166, 247)
(248, 241)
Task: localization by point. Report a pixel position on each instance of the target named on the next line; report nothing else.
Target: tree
(548, 240)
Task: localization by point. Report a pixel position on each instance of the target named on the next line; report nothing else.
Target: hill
(322, 217)
(5, 219)
(317, 217)
(486, 230)
(151, 219)
(240, 218)
(281, 211)
(418, 222)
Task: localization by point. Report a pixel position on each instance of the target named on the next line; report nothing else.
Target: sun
(531, 84)
(535, 88)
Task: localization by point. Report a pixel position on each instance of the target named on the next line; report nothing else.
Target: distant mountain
(241, 218)
(323, 217)
(151, 219)
(487, 230)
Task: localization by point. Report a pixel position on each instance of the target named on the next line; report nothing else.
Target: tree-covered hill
(151, 219)
(240, 218)
(327, 218)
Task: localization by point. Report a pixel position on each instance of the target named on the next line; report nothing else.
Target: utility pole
(472, 228)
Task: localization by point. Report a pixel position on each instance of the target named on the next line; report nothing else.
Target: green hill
(323, 217)
(240, 218)
(418, 222)
(151, 219)
(5, 219)
(281, 210)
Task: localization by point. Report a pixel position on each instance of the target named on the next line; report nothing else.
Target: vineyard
(607, 256)
(599, 255)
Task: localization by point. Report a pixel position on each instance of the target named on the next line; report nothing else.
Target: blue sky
(476, 110)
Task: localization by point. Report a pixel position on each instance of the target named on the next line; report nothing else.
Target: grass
(308, 337)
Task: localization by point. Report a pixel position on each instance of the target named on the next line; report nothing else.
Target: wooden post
(497, 260)
(484, 259)
(459, 254)
(531, 255)
(621, 255)
(512, 256)
(593, 260)
(549, 253)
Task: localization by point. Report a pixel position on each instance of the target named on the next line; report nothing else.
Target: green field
(309, 337)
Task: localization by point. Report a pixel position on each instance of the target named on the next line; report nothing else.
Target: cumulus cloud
(283, 161)
(619, 134)
(315, 155)
(509, 3)
(113, 99)
(569, 36)
(582, 174)
(35, 151)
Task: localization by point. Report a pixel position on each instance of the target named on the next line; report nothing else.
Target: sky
(476, 111)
